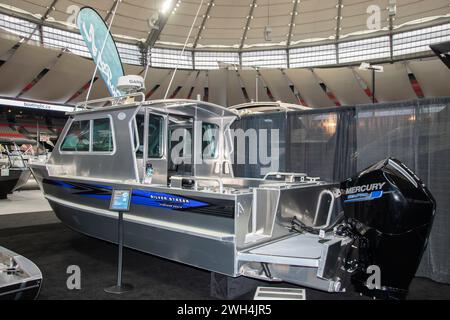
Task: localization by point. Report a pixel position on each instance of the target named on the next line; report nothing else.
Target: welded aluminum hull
(23, 281)
(194, 236)
(8, 183)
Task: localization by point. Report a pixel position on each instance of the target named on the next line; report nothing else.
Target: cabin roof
(191, 108)
(267, 106)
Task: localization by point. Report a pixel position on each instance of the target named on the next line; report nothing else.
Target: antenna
(184, 48)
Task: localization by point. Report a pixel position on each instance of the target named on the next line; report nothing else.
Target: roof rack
(266, 106)
(110, 102)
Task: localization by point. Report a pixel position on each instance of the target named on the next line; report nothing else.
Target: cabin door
(152, 130)
(180, 146)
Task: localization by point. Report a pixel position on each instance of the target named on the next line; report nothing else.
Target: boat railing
(128, 99)
(177, 182)
(291, 177)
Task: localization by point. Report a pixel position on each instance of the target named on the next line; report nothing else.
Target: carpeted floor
(53, 247)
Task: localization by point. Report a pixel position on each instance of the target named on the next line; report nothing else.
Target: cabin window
(155, 136)
(78, 137)
(210, 135)
(139, 136)
(102, 138)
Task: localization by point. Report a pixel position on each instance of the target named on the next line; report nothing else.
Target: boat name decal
(139, 197)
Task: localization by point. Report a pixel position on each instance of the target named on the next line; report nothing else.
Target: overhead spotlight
(268, 33)
(153, 21)
(166, 6)
(392, 9)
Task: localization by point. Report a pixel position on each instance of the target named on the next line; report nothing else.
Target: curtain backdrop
(335, 144)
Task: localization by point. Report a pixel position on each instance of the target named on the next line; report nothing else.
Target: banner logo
(96, 35)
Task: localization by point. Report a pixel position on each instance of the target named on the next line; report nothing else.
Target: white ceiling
(315, 19)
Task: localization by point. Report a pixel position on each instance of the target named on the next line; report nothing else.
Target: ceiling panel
(433, 77)
(199, 86)
(343, 83)
(187, 86)
(391, 85)
(31, 6)
(178, 81)
(23, 67)
(217, 84)
(6, 45)
(279, 86)
(249, 79)
(235, 95)
(309, 88)
(75, 71)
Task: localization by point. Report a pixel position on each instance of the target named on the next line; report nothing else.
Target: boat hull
(23, 179)
(210, 254)
(201, 229)
(20, 281)
(183, 227)
(8, 183)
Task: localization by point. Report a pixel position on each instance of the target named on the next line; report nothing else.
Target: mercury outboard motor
(389, 213)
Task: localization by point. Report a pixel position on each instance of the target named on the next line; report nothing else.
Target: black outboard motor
(389, 213)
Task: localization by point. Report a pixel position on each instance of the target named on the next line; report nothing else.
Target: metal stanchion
(120, 202)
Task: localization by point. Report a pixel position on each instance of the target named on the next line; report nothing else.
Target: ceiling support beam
(49, 10)
(160, 24)
(42, 20)
(292, 23)
(111, 10)
(340, 6)
(392, 12)
(202, 25)
(247, 24)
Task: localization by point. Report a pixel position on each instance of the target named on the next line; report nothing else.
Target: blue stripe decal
(361, 197)
(164, 200)
(139, 197)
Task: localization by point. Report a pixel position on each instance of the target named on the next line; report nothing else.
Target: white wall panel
(187, 86)
(67, 76)
(179, 80)
(309, 88)
(217, 84)
(5, 45)
(343, 83)
(278, 85)
(155, 76)
(234, 92)
(249, 79)
(199, 87)
(391, 85)
(433, 76)
(26, 63)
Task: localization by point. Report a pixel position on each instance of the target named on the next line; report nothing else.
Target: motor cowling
(390, 213)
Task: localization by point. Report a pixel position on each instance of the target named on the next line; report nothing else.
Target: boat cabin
(152, 142)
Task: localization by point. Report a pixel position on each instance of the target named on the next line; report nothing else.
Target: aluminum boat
(14, 169)
(20, 278)
(283, 227)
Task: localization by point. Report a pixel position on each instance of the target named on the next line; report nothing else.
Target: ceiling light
(166, 6)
